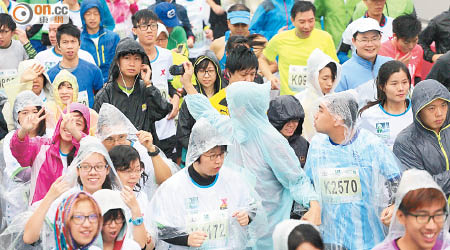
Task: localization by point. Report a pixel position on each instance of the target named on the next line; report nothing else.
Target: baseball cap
(365, 24)
(166, 12)
(161, 29)
(239, 16)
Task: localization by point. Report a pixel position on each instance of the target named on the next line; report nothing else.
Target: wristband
(155, 153)
(138, 221)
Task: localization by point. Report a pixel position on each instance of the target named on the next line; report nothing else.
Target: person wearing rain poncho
(354, 173)
(420, 215)
(49, 158)
(425, 144)
(114, 129)
(258, 150)
(298, 235)
(16, 177)
(210, 205)
(65, 91)
(323, 76)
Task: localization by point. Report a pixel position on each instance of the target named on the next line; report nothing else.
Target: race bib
(297, 77)
(340, 185)
(83, 98)
(7, 77)
(214, 224)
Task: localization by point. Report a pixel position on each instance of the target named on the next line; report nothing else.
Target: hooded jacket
(103, 52)
(57, 105)
(145, 105)
(42, 154)
(185, 119)
(437, 31)
(286, 108)
(310, 97)
(420, 147)
(270, 16)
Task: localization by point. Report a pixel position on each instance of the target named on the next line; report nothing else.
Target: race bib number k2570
(340, 185)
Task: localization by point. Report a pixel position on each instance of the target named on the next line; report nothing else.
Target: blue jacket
(357, 71)
(103, 54)
(270, 16)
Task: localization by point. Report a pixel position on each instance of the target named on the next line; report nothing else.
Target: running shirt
(49, 58)
(160, 78)
(385, 125)
(293, 53)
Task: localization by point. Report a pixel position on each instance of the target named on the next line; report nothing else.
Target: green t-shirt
(177, 36)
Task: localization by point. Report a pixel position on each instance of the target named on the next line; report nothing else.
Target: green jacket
(392, 8)
(336, 15)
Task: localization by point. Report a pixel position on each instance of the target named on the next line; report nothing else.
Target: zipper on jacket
(443, 151)
(98, 56)
(103, 53)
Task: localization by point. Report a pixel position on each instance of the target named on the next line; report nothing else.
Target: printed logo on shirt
(224, 204)
(192, 203)
(144, 107)
(383, 130)
(163, 72)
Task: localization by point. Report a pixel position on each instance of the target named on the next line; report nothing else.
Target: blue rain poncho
(355, 180)
(258, 150)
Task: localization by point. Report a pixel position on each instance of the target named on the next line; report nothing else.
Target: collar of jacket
(363, 62)
(137, 87)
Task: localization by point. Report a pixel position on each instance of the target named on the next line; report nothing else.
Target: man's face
(146, 32)
(5, 36)
(375, 7)
(434, 114)
(52, 29)
(304, 23)
(69, 46)
(238, 29)
(130, 64)
(406, 45)
(92, 19)
(323, 120)
(211, 162)
(367, 44)
(247, 75)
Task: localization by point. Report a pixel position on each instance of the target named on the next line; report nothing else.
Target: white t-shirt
(49, 58)
(160, 76)
(76, 18)
(385, 125)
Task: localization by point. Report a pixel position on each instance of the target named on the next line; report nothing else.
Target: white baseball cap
(161, 29)
(364, 25)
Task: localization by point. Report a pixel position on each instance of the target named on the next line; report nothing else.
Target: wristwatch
(155, 153)
(138, 221)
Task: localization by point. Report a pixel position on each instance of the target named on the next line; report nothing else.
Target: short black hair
(238, 7)
(122, 156)
(304, 233)
(241, 58)
(235, 41)
(7, 21)
(67, 29)
(146, 15)
(333, 68)
(406, 26)
(302, 6)
(113, 214)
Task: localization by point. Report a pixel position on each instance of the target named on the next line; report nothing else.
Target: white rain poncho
(181, 206)
(355, 180)
(259, 151)
(413, 179)
(111, 121)
(311, 96)
(284, 229)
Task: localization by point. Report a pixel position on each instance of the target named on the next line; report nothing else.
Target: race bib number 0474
(340, 185)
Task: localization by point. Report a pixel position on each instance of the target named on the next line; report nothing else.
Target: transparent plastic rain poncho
(355, 180)
(414, 179)
(310, 97)
(180, 206)
(111, 121)
(258, 150)
(25, 99)
(283, 230)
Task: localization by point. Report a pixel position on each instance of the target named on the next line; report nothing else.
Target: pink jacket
(121, 10)
(42, 154)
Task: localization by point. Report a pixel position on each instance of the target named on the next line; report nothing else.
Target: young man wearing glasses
(365, 61)
(145, 27)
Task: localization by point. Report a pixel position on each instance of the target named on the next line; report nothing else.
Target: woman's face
(289, 128)
(25, 112)
(306, 246)
(397, 87)
(38, 84)
(325, 80)
(130, 177)
(84, 222)
(111, 228)
(93, 172)
(207, 77)
(65, 92)
(80, 124)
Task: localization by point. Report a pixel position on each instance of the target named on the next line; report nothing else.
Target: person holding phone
(130, 88)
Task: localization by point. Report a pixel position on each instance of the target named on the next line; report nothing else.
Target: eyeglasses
(204, 72)
(144, 27)
(137, 172)
(120, 139)
(214, 157)
(87, 168)
(367, 41)
(80, 219)
(425, 219)
(162, 39)
(118, 221)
